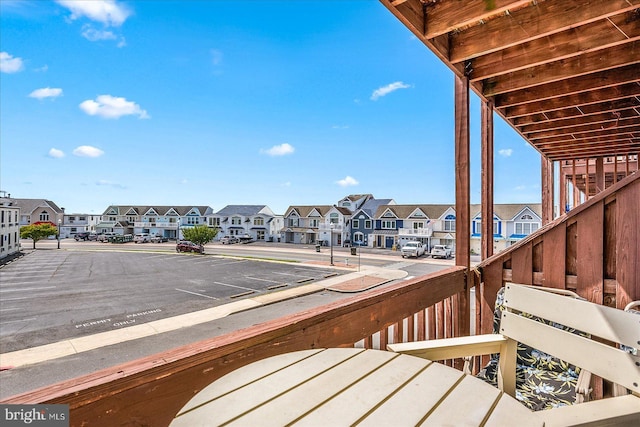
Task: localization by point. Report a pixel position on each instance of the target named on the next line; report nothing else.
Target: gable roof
(28, 206)
(245, 210)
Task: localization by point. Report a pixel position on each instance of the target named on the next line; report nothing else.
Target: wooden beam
(592, 62)
(446, 16)
(486, 147)
(547, 190)
(563, 192)
(575, 41)
(598, 97)
(599, 174)
(462, 168)
(572, 86)
(604, 118)
(525, 25)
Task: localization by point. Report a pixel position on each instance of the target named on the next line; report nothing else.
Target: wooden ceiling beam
(607, 138)
(573, 122)
(449, 15)
(596, 151)
(579, 111)
(618, 130)
(632, 122)
(569, 43)
(525, 25)
(571, 86)
(592, 62)
(597, 96)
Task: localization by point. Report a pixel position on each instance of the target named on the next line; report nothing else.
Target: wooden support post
(563, 191)
(600, 183)
(615, 169)
(547, 190)
(587, 190)
(486, 198)
(462, 308)
(627, 163)
(576, 193)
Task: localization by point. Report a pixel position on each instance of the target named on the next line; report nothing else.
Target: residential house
(333, 229)
(362, 221)
(162, 221)
(256, 221)
(35, 211)
(9, 227)
(73, 224)
(301, 223)
(511, 223)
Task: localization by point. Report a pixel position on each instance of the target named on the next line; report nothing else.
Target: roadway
(91, 305)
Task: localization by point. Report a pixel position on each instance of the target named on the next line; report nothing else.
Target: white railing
(422, 232)
(327, 227)
(157, 224)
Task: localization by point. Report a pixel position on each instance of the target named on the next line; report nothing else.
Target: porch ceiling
(564, 73)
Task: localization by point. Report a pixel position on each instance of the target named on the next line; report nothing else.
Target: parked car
(228, 240)
(159, 239)
(187, 246)
(441, 251)
(104, 237)
(93, 237)
(142, 238)
(84, 236)
(413, 248)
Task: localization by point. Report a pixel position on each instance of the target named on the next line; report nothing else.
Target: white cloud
(111, 107)
(110, 184)
(505, 152)
(46, 92)
(9, 64)
(87, 151)
(93, 35)
(279, 150)
(385, 90)
(56, 154)
(107, 12)
(216, 56)
(347, 182)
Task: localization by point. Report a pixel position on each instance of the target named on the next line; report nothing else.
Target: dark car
(187, 246)
(82, 236)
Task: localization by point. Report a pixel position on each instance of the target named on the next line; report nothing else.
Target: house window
(44, 216)
(82, 218)
(450, 223)
(356, 223)
(526, 227)
(112, 218)
(389, 224)
(496, 228)
(193, 220)
(293, 222)
(333, 218)
(258, 221)
(418, 225)
(527, 217)
(313, 222)
(368, 224)
(215, 222)
(236, 220)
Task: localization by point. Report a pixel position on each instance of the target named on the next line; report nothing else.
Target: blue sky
(231, 102)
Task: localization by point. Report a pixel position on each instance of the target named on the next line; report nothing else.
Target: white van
(142, 238)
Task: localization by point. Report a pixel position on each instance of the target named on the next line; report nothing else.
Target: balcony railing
(418, 232)
(156, 224)
(151, 390)
(327, 227)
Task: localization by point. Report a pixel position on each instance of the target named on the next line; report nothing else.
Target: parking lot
(51, 295)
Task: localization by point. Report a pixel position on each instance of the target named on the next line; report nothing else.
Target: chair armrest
(614, 411)
(452, 348)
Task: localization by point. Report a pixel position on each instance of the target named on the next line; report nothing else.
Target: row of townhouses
(359, 219)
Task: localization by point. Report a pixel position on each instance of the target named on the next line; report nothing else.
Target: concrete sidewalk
(366, 278)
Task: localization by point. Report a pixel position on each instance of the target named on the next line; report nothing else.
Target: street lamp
(331, 241)
(59, 227)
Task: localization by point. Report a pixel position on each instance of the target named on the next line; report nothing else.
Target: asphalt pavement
(38, 366)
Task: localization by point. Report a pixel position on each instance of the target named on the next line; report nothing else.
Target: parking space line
(21, 320)
(233, 286)
(195, 293)
(26, 289)
(261, 280)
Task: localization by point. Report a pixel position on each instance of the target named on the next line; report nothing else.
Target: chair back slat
(603, 360)
(597, 320)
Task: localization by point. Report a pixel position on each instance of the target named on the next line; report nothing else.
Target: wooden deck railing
(591, 250)
(150, 391)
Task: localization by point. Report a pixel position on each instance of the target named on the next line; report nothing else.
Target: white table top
(347, 386)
